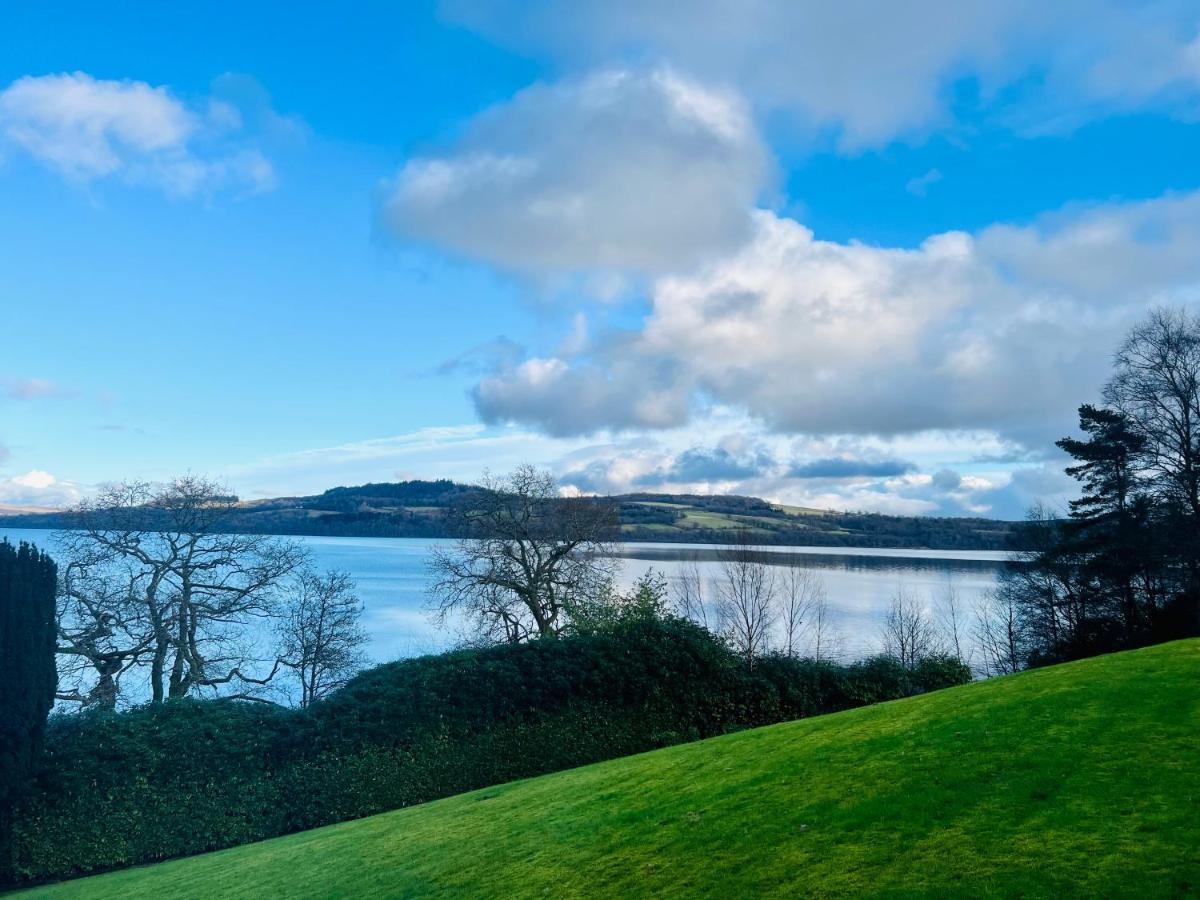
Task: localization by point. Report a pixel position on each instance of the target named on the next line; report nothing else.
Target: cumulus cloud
(38, 489)
(873, 72)
(721, 451)
(86, 129)
(1007, 330)
(884, 485)
(622, 171)
(701, 465)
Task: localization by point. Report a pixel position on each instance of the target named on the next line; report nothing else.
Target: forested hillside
(419, 509)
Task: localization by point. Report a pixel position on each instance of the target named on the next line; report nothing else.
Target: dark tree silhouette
(27, 673)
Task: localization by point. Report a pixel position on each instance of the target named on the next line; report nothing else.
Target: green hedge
(119, 789)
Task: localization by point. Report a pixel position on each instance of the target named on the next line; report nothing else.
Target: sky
(855, 255)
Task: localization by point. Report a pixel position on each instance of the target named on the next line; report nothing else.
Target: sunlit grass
(1081, 779)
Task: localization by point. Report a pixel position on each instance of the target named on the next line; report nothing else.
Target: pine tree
(1112, 521)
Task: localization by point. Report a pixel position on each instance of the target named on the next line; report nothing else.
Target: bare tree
(526, 556)
(826, 642)
(799, 590)
(999, 634)
(951, 620)
(187, 599)
(321, 632)
(1157, 385)
(909, 634)
(745, 599)
(103, 631)
(689, 593)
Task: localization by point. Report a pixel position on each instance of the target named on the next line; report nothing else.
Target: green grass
(1080, 780)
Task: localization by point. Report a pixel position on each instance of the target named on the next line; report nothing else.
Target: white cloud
(721, 451)
(37, 488)
(876, 71)
(626, 171)
(1007, 330)
(87, 129)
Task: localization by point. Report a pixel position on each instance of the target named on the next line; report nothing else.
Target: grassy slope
(1080, 779)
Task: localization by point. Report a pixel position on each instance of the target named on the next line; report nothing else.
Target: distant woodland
(420, 509)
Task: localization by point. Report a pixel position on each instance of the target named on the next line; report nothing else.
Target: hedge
(119, 789)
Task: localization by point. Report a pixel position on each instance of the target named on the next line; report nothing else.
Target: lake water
(860, 583)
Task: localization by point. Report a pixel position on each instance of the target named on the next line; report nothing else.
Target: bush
(125, 788)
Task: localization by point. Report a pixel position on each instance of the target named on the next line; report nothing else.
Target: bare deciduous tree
(321, 633)
(825, 640)
(689, 593)
(103, 631)
(909, 634)
(526, 555)
(1157, 385)
(158, 581)
(745, 599)
(999, 634)
(951, 620)
(800, 589)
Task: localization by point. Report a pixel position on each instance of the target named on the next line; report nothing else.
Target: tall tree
(1112, 523)
(1047, 581)
(156, 580)
(689, 593)
(745, 598)
(322, 635)
(27, 671)
(999, 634)
(1156, 384)
(909, 634)
(525, 557)
(800, 588)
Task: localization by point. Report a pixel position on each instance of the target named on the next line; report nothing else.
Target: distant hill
(1078, 780)
(418, 509)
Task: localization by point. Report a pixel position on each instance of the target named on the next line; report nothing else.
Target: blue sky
(853, 255)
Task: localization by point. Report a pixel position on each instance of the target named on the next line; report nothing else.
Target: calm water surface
(860, 582)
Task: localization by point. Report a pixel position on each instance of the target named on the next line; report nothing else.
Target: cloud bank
(1008, 329)
(622, 171)
(872, 72)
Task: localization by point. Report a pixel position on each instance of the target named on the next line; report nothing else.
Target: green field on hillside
(1076, 780)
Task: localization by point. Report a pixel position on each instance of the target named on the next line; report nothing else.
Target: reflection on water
(850, 558)
(391, 578)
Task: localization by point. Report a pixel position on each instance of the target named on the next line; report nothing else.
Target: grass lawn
(1080, 780)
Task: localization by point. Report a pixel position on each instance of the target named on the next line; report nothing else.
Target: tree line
(1121, 568)
(529, 563)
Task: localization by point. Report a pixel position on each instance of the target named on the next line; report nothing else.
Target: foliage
(999, 789)
(1123, 570)
(179, 778)
(27, 672)
(648, 598)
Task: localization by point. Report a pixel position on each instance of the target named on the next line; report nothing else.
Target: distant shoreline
(421, 509)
